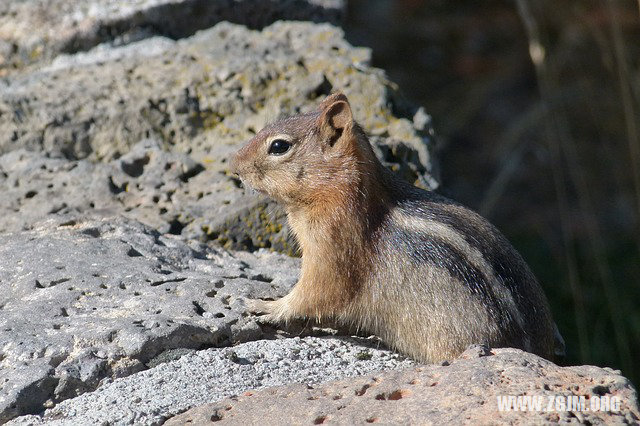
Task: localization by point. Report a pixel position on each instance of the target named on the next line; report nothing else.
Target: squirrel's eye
(279, 147)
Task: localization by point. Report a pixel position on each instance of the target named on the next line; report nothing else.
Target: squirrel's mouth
(250, 189)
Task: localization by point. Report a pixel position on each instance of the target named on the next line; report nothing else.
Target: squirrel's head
(306, 158)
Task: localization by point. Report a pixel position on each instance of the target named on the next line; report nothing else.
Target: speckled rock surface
(33, 31)
(204, 94)
(116, 196)
(152, 396)
(466, 391)
(166, 190)
(86, 300)
(201, 96)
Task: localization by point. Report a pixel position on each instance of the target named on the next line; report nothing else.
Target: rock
(25, 387)
(87, 300)
(98, 143)
(465, 391)
(199, 99)
(152, 396)
(168, 191)
(37, 30)
(203, 95)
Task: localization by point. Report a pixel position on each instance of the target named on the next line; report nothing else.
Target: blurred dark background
(537, 107)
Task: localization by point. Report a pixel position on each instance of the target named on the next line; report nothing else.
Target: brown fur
(410, 266)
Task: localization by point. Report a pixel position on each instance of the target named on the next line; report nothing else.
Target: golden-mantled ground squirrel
(425, 274)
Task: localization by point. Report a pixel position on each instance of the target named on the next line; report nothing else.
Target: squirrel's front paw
(272, 311)
(258, 306)
(264, 307)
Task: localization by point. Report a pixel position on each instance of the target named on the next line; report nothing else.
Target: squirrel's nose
(240, 159)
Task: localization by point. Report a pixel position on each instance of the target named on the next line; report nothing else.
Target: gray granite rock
(87, 300)
(149, 140)
(37, 30)
(198, 99)
(152, 396)
(168, 191)
(203, 95)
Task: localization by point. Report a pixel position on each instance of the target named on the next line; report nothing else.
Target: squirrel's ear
(329, 100)
(335, 115)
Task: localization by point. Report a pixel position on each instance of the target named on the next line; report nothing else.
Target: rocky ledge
(32, 31)
(127, 250)
(104, 127)
(480, 387)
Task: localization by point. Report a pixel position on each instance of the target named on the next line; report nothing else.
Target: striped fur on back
(480, 281)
